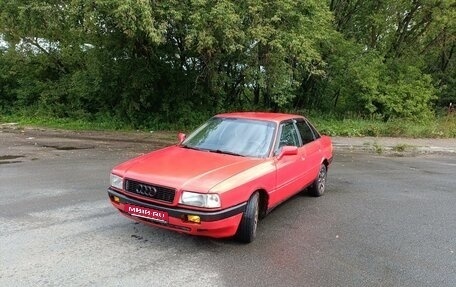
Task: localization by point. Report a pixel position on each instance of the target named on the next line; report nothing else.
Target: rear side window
(316, 134)
(305, 131)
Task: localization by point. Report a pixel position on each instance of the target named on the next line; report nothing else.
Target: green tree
(155, 62)
(414, 39)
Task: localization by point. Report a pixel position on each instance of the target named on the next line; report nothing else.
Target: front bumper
(217, 224)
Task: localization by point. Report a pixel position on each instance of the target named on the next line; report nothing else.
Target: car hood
(184, 168)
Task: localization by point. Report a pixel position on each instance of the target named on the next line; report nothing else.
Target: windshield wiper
(212, 150)
(192, 147)
(226, 152)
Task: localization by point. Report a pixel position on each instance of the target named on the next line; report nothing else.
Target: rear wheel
(319, 185)
(247, 228)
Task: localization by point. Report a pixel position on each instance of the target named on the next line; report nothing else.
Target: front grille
(151, 191)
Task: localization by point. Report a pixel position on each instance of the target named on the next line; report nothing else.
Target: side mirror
(287, 150)
(181, 137)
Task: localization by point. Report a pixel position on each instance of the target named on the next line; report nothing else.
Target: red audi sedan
(224, 176)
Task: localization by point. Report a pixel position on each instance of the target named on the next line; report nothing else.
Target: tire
(247, 228)
(319, 185)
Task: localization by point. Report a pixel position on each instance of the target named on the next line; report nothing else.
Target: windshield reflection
(241, 137)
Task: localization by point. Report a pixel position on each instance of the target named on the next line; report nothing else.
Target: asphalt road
(384, 221)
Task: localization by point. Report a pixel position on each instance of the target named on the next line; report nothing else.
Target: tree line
(149, 62)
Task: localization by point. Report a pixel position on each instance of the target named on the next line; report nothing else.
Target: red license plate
(146, 213)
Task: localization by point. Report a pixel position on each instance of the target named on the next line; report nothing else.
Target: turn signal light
(116, 199)
(194, 218)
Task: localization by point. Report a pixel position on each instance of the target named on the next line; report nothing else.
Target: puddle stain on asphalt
(68, 148)
(10, 162)
(9, 159)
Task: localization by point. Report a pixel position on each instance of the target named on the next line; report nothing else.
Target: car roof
(265, 116)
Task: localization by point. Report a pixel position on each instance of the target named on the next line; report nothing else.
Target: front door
(288, 168)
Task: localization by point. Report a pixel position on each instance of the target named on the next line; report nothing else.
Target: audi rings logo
(146, 190)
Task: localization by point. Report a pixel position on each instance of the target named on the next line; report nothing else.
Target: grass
(440, 127)
(66, 123)
(378, 148)
(402, 147)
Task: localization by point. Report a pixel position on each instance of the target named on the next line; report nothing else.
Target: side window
(306, 133)
(316, 134)
(288, 136)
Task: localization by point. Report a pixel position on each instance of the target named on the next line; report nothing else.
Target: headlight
(116, 181)
(199, 199)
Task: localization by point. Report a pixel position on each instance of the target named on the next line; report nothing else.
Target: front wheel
(247, 228)
(318, 186)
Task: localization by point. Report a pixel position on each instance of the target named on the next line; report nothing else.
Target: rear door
(312, 149)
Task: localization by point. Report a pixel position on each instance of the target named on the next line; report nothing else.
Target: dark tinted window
(316, 134)
(306, 133)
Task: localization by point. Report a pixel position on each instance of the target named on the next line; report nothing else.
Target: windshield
(242, 137)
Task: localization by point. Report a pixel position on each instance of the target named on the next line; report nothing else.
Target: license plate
(148, 213)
